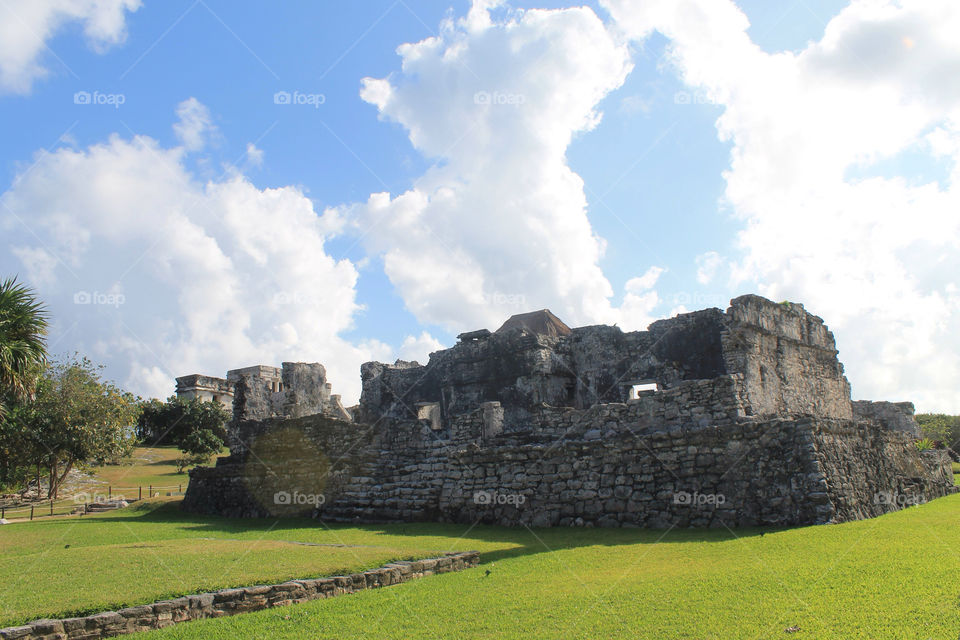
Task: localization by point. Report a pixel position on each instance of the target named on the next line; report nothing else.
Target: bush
(943, 429)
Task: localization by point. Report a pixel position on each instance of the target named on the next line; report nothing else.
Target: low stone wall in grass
(228, 602)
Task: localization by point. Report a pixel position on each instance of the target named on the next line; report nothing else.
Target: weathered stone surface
(750, 423)
(894, 415)
(295, 390)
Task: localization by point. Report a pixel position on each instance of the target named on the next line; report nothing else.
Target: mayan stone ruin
(707, 419)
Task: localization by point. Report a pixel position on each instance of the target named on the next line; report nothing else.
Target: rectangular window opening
(638, 389)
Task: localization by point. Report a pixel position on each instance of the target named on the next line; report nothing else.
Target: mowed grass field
(146, 466)
(889, 577)
(59, 567)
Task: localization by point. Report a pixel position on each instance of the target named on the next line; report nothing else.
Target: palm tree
(23, 326)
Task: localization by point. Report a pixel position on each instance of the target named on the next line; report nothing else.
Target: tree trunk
(52, 480)
(66, 469)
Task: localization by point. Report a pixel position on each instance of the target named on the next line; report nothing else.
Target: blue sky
(690, 193)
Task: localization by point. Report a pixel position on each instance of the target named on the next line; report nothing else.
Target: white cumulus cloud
(871, 247)
(156, 274)
(26, 27)
(195, 124)
(495, 100)
(419, 348)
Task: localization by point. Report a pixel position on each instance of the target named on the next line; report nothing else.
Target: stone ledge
(227, 602)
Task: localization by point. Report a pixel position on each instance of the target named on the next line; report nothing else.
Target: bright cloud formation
(874, 252)
(499, 224)
(26, 27)
(161, 275)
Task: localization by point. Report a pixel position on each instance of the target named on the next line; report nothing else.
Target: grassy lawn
(147, 466)
(66, 566)
(133, 478)
(890, 577)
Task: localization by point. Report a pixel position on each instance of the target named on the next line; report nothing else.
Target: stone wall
(653, 462)
(894, 415)
(737, 474)
(227, 602)
(788, 359)
(272, 462)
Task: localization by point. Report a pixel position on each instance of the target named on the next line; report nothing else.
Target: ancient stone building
(296, 389)
(710, 418)
(255, 393)
(206, 388)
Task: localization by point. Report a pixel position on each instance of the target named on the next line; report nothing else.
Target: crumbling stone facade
(206, 388)
(710, 418)
(294, 390)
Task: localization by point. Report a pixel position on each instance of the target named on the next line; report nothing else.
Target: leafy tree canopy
(74, 417)
(172, 421)
(23, 329)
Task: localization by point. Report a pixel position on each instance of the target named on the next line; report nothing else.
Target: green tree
(17, 446)
(172, 421)
(198, 446)
(23, 328)
(75, 418)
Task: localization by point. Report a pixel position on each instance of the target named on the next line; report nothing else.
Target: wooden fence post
(140, 492)
(151, 492)
(31, 512)
(51, 507)
(109, 492)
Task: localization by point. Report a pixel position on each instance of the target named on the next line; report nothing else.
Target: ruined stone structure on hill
(710, 418)
(259, 392)
(206, 388)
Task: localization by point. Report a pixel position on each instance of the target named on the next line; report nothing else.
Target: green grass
(889, 577)
(70, 566)
(146, 466)
(956, 473)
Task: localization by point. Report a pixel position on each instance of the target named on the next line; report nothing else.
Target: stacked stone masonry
(228, 602)
(709, 419)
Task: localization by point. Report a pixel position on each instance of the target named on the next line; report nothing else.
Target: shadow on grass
(519, 541)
